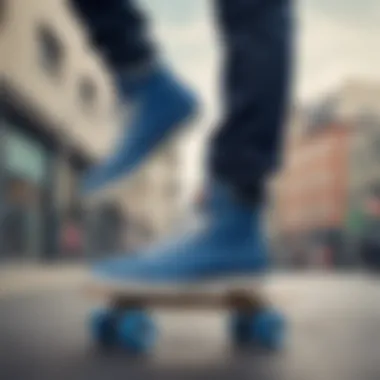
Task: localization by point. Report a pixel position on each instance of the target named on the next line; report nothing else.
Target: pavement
(334, 333)
(27, 278)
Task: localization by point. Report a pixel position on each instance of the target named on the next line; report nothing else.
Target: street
(334, 334)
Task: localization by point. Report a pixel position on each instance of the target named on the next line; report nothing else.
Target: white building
(58, 114)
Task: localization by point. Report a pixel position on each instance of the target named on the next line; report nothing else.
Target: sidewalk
(21, 278)
(284, 289)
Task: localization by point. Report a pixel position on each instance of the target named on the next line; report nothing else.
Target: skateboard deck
(124, 297)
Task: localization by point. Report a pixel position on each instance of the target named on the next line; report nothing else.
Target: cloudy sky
(337, 40)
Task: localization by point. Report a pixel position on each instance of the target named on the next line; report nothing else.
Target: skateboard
(126, 321)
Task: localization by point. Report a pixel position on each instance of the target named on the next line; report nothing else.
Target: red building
(312, 194)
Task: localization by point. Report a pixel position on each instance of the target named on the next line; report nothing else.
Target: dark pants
(256, 35)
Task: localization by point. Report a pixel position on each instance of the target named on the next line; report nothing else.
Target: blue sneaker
(230, 243)
(162, 105)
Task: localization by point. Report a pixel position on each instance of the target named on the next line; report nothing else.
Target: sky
(337, 40)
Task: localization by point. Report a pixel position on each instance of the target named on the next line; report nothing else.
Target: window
(87, 92)
(25, 158)
(50, 50)
(322, 114)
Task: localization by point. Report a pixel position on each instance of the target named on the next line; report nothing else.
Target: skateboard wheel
(102, 324)
(136, 331)
(268, 329)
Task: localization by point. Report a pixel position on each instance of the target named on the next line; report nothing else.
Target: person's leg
(256, 36)
(119, 31)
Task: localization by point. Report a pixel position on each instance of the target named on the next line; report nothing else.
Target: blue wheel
(136, 332)
(264, 329)
(268, 329)
(102, 326)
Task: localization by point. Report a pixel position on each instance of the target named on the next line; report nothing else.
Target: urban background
(59, 116)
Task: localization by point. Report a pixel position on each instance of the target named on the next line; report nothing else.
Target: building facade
(331, 161)
(56, 118)
(152, 198)
(58, 115)
(312, 196)
(360, 107)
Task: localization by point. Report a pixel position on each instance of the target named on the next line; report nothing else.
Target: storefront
(42, 213)
(25, 192)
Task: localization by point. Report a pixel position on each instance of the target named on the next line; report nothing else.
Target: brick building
(312, 196)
